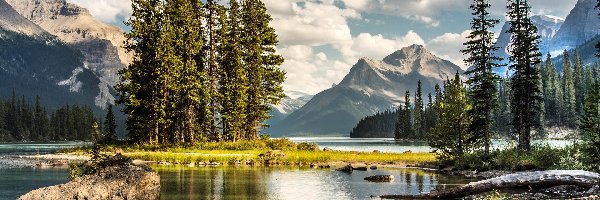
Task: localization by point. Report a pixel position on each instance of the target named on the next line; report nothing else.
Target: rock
(313, 165)
(250, 162)
(164, 163)
(347, 169)
(360, 168)
(192, 164)
(324, 166)
(117, 182)
(327, 149)
(380, 178)
(376, 151)
(237, 163)
(409, 151)
(213, 164)
(373, 167)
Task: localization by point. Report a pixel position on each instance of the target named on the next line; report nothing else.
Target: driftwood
(517, 180)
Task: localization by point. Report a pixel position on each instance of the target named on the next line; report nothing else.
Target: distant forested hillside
(380, 125)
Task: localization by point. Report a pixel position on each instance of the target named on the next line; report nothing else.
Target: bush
(541, 157)
(305, 146)
(283, 144)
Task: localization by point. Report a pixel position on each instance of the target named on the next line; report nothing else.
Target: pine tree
(551, 88)
(261, 62)
(452, 132)
(404, 126)
(579, 83)
(568, 87)
(418, 112)
(590, 127)
(482, 81)
(213, 36)
(234, 83)
(524, 55)
(139, 88)
(110, 125)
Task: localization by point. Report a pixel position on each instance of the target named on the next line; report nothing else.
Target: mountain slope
(369, 87)
(100, 43)
(10, 20)
(580, 26)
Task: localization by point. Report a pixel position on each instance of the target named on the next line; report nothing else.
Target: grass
(275, 151)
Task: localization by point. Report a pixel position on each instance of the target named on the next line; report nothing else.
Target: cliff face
(101, 44)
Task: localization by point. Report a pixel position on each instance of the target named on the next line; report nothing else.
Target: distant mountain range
(369, 87)
(557, 34)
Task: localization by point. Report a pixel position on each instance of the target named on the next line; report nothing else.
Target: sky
(322, 39)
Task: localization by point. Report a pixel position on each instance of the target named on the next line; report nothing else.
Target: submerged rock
(380, 178)
(360, 168)
(347, 168)
(373, 167)
(115, 182)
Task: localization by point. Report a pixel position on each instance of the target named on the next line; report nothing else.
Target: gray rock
(373, 167)
(380, 178)
(347, 169)
(116, 182)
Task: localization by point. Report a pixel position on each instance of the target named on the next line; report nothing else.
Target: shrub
(305, 146)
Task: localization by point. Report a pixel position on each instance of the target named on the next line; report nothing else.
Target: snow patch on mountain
(72, 82)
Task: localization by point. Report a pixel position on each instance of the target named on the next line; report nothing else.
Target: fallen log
(535, 179)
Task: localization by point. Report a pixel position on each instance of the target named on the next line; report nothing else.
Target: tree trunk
(517, 180)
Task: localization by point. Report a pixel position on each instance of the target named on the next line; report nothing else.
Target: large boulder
(114, 182)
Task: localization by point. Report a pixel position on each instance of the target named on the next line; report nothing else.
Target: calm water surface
(17, 177)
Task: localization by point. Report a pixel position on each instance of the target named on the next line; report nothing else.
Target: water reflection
(293, 183)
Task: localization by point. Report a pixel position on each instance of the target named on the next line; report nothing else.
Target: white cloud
(312, 23)
(448, 46)
(376, 46)
(106, 10)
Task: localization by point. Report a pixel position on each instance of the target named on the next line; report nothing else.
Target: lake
(17, 177)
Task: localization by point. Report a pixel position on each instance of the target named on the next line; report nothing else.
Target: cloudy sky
(322, 39)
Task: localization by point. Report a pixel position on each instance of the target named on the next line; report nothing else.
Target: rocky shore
(124, 181)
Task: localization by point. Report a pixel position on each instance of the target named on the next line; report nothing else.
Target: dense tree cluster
(380, 125)
(202, 71)
(22, 121)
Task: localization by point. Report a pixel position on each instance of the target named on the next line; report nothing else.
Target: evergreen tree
(234, 82)
(110, 125)
(261, 62)
(569, 99)
(579, 83)
(418, 124)
(482, 81)
(452, 132)
(404, 126)
(213, 35)
(590, 127)
(524, 51)
(551, 88)
(139, 89)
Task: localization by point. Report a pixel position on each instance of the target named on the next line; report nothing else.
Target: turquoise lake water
(17, 177)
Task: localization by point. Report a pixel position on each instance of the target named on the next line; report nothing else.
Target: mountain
(101, 44)
(547, 26)
(580, 26)
(287, 107)
(587, 51)
(370, 86)
(33, 62)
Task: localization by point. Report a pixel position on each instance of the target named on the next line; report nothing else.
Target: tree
(568, 87)
(418, 112)
(262, 64)
(579, 83)
(404, 127)
(590, 127)
(524, 56)
(110, 125)
(482, 82)
(452, 132)
(213, 35)
(234, 82)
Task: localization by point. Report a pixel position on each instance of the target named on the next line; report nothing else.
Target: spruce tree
(579, 83)
(452, 132)
(139, 88)
(110, 125)
(405, 127)
(568, 87)
(524, 56)
(590, 127)
(234, 82)
(482, 81)
(262, 64)
(213, 36)
(418, 112)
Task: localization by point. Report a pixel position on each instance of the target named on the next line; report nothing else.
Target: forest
(211, 81)
(20, 120)
(563, 91)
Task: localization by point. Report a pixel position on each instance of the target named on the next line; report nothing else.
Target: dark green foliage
(590, 127)
(526, 94)
(540, 157)
(22, 121)
(404, 126)
(110, 125)
(483, 81)
(380, 125)
(419, 118)
(210, 81)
